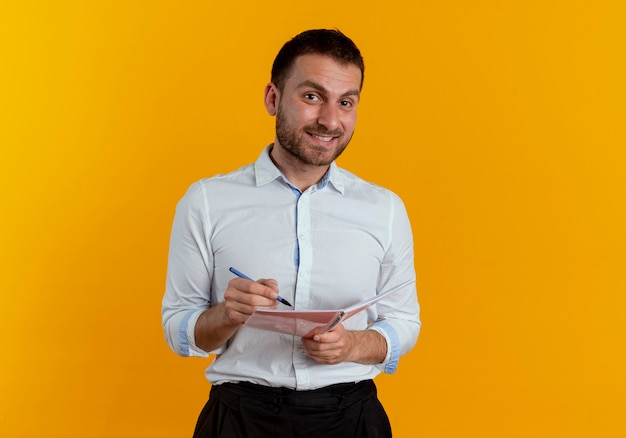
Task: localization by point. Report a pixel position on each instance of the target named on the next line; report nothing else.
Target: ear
(272, 96)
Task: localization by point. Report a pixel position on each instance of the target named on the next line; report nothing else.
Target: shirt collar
(266, 172)
(335, 177)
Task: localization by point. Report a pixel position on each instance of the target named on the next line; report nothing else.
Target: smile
(324, 138)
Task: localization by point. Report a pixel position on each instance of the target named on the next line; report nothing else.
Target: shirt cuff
(390, 363)
(187, 337)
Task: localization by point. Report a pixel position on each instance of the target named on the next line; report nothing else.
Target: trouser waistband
(339, 395)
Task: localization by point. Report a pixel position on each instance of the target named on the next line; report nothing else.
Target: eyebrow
(312, 84)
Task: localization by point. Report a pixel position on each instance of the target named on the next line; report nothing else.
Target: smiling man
(312, 231)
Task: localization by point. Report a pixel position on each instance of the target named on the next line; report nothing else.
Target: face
(316, 111)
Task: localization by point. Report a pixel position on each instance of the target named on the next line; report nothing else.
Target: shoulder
(355, 186)
(219, 182)
(215, 189)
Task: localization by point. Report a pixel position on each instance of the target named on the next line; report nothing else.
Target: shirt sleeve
(398, 315)
(189, 273)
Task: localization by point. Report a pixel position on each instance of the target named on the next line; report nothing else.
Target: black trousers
(245, 410)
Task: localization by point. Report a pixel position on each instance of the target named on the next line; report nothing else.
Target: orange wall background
(501, 125)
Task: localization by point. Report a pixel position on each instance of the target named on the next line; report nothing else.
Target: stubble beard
(295, 142)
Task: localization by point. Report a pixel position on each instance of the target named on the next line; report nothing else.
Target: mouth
(324, 138)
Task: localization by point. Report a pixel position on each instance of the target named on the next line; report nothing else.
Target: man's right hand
(243, 296)
(218, 324)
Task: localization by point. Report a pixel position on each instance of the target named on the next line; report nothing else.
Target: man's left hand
(341, 345)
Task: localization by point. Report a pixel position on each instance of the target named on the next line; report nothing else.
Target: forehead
(325, 71)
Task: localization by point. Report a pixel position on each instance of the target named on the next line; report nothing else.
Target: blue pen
(242, 275)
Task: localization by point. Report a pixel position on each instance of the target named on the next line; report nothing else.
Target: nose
(329, 116)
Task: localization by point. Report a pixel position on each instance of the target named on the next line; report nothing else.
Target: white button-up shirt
(339, 242)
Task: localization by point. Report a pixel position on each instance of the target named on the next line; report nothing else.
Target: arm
(398, 316)
(396, 324)
(194, 325)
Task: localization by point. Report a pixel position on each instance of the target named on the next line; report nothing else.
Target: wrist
(367, 347)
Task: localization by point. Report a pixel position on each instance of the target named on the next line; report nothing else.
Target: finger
(314, 346)
(328, 357)
(328, 337)
(251, 292)
(269, 282)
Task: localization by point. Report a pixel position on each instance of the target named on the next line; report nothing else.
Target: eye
(345, 103)
(312, 97)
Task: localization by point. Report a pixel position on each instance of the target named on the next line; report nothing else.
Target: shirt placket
(303, 284)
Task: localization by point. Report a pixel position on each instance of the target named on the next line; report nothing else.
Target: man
(326, 238)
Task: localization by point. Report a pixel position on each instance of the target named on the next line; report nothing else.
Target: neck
(300, 174)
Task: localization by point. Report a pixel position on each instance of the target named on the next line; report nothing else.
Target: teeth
(323, 138)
